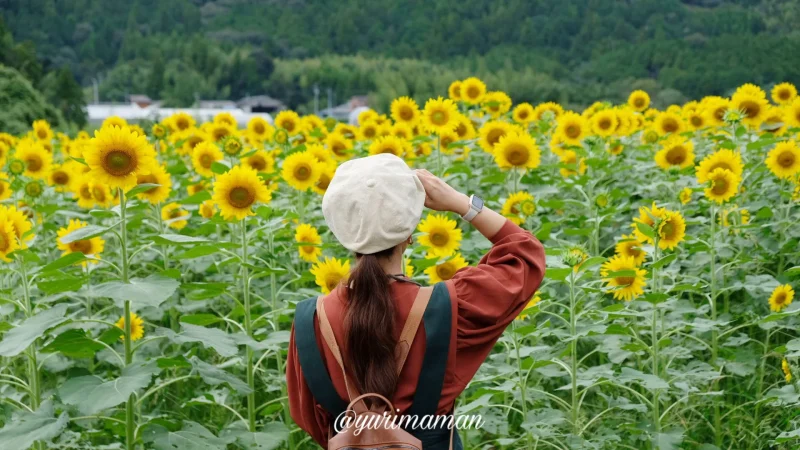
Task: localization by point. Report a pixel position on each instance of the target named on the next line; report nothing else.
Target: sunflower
(572, 128)
(60, 177)
(496, 103)
(523, 113)
(368, 130)
(639, 100)
(225, 118)
(339, 145)
(405, 110)
(548, 110)
(301, 170)
(605, 122)
(20, 221)
(685, 196)
(733, 216)
(8, 139)
(784, 93)
(307, 234)
(647, 216)
(518, 207)
(236, 191)
(535, 300)
(626, 279)
(33, 189)
(260, 161)
(630, 246)
(445, 270)
(389, 144)
(490, 134)
(89, 247)
(675, 152)
(464, 128)
(517, 150)
(454, 91)
(312, 123)
(784, 160)
(204, 155)
(402, 131)
(775, 121)
(473, 90)
(781, 297)
(446, 141)
(325, 179)
(696, 119)
(439, 115)
(669, 123)
(82, 191)
(219, 131)
(440, 234)
(116, 156)
(787, 371)
(181, 121)
(715, 109)
(4, 149)
(207, 209)
(200, 186)
(793, 113)
(260, 128)
(42, 131)
(8, 239)
(37, 160)
(723, 185)
(114, 121)
(155, 194)
(329, 272)
(570, 158)
(722, 159)
(753, 106)
(174, 216)
(191, 141)
(137, 327)
(671, 230)
(289, 121)
(102, 194)
(5, 187)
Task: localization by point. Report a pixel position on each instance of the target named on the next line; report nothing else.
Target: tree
(21, 104)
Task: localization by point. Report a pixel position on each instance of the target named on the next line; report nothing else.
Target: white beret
(373, 203)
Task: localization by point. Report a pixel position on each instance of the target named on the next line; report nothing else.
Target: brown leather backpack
(385, 436)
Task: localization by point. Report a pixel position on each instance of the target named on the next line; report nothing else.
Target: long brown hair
(369, 322)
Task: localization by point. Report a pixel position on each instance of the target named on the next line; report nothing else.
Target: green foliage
(21, 104)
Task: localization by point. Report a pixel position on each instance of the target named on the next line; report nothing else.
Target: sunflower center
(406, 113)
(258, 163)
(369, 132)
(780, 298)
(331, 281)
(720, 186)
(445, 271)
(670, 125)
(696, 121)
(34, 189)
(523, 114)
(241, 197)
(604, 124)
(303, 172)
(206, 160)
(288, 125)
(676, 155)
(34, 163)
(85, 191)
(667, 230)
(720, 165)
(4, 242)
(182, 123)
(118, 163)
(638, 102)
(174, 213)
(517, 154)
(259, 128)
(473, 92)
(784, 94)
(148, 179)
(84, 246)
(786, 159)
(751, 109)
(99, 194)
(440, 239)
(625, 281)
(494, 136)
(60, 177)
(323, 182)
(338, 148)
(439, 118)
(572, 131)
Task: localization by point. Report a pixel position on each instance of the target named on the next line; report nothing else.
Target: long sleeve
(302, 406)
(493, 293)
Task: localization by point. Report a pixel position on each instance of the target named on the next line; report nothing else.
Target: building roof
(133, 112)
(260, 100)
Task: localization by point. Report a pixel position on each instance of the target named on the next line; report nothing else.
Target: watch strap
(473, 211)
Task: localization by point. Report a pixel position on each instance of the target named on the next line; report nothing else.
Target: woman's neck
(393, 265)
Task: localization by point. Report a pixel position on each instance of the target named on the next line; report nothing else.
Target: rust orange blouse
(485, 299)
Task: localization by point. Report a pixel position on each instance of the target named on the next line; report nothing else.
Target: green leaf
(26, 428)
(591, 262)
(18, 339)
(192, 436)
(196, 199)
(200, 319)
(664, 261)
(91, 394)
(198, 251)
(61, 283)
(170, 363)
(150, 291)
(74, 343)
(646, 230)
(86, 232)
(111, 335)
(141, 188)
(219, 168)
(65, 261)
(272, 436)
(214, 338)
(177, 239)
(792, 271)
(557, 273)
(215, 376)
(621, 274)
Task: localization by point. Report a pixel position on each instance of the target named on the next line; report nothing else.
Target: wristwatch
(475, 206)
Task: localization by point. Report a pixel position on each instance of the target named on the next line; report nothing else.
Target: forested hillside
(569, 50)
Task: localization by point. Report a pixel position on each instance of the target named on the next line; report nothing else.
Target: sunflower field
(150, 271)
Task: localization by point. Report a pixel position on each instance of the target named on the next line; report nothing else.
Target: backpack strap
(412, 326)
(311, 362)
(437, 319)
(330, 340)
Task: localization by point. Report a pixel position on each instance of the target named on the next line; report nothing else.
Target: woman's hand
(440, 196)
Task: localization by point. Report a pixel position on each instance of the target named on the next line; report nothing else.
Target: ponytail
(369, 321)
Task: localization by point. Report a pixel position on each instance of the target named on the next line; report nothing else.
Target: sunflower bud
(574, 256)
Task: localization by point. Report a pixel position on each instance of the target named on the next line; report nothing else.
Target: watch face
(477, 202)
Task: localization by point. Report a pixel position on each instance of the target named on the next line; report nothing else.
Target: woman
(373, 206)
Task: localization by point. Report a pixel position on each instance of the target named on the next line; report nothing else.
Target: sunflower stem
(714, 334)
(573, 326)
(130, 419)
(438, 156)
(654, 341)
(34, 384)
(248, 327)
(522, 381)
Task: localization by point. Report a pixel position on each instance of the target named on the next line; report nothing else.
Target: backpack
(380, 434)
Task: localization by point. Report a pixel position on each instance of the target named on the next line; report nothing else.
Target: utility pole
(316, 99)
(95, 90)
